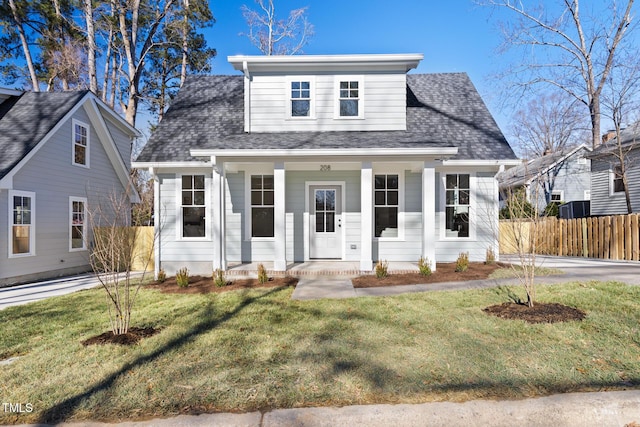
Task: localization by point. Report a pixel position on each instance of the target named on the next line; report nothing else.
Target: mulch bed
(133, 336)
(539, 313)
(205, 285)
(445, 272)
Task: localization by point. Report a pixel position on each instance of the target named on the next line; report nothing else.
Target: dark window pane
(300, 108)
(187, 198)
(306, 94)
(331, 222)
(344, 85)
(319, 222)
(80, 156)
(26, 217)
(21, 239)
(26, 203)
(464, 197)
(452, 181)
(380, 182)
(344, 94)
(187, 181)
(267, 182)
(295, 85)
(392, 181)
(76, 237)
(450, 197)
(198, 182)
(198, 198)
(330, 200)
(464, 181)
(319, 200)
(267, 198)
(304, 85)
(256, 182)
(450, 217)
(354, 85)
(353, 93)
(461, 223)
(295, 94)
(386, 222)
(380, 198)
(193, 222)
(261, 222)
(349, 108)
(256, 197)
(392, 197)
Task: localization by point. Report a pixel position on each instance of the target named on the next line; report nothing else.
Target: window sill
(301, 118)
(348, 118)
(260, 239)
(21, 255)
(81, 165)
(194, 239)
(77, 249)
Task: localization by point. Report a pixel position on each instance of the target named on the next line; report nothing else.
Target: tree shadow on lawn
(63, 410)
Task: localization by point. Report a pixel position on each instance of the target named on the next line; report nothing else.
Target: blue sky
(453, 35)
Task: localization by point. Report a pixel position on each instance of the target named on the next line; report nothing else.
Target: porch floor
(318, 268)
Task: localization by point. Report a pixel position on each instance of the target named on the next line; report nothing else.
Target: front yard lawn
(251, 349)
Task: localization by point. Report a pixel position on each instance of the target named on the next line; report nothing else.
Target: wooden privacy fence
(608, 237)
(142, 248)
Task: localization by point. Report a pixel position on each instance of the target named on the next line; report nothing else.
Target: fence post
(635, 238)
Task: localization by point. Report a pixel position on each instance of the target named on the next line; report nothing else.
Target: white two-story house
(341, 157)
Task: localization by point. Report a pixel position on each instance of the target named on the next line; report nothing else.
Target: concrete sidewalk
(602, 409)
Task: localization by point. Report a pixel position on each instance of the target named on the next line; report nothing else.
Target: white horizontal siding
(383, 102)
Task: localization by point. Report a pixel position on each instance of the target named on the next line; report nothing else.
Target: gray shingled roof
(630, 138)
(443, 110)
(26, 119)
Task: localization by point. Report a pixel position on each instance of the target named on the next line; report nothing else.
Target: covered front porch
(317, 268)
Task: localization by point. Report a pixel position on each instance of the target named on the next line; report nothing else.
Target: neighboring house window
(618, 183)
(77, 223)
(457, 202)
(300, 99)
(556, 195)
(193, 206)
(80, 143)
(349, 98)
(22, 209)
(386, 201)
(262, 206)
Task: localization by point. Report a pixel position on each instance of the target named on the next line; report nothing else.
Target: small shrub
(382, 269)
(262, 274)
(218, 278)
(162, 276)
(462, 263)
(424, 266)
(491, 256)
(182, 277)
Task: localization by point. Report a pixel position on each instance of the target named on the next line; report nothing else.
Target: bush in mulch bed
(132, 337)
(205, 285)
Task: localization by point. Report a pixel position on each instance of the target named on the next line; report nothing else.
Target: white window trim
(207, 207)
(612, 193)
(85, 225)
(388, 171)
(472, 206)
(312, 97)
(255, 170)
(32, 231)
(555, 192)
(336, 96)
(75, 122)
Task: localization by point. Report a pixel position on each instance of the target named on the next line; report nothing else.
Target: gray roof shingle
(26, 119)
(443, 110)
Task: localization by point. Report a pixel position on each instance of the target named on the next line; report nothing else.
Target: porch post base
(366, 265)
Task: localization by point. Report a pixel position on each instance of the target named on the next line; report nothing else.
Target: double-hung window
(77, 224)
(386, 203)
(349, 98)
(193, 206)
(80, 136)
(457, 204)
(262, 206)
(300, 98)
(22, 208)
(618, 183)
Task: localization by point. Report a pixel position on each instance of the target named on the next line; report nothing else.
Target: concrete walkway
(575, 270)
(602, 409)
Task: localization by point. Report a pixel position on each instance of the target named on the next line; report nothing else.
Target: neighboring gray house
(59, 152)
(336, 157)
(607, 188)
(564, 176)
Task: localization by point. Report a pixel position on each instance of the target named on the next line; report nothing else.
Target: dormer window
(300, 99)
(349, 100)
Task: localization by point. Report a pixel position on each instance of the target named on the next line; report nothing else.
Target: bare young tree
(274, 36)
(566, 48)
(114, 254)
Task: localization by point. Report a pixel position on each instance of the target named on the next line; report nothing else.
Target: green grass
(241, 351)
(513, 271)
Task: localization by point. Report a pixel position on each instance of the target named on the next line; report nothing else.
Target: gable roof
(443, 110)
(26, 119)
(532, 169)
(630, 138)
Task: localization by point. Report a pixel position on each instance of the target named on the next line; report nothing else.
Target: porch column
(366, 216)
(216, 214)
(429, 213)
(279, 220)
(156, 222)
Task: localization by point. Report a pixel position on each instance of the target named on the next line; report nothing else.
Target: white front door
(325, 222)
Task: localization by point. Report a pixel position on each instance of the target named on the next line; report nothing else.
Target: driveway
(36, 291)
